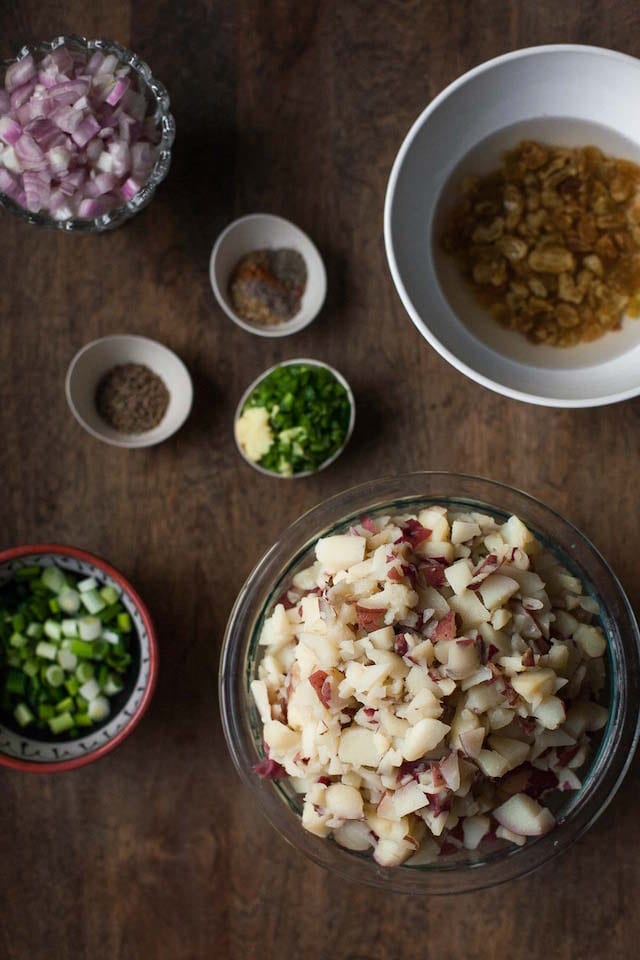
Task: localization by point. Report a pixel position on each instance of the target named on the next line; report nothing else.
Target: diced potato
(514, 752)
(459, 575)
(422, 737)
(496, 590)
(591, 640)
(340, 552)
(462, 531)
(361, 747)
(343, 802)
(471, 610)
(492, 764)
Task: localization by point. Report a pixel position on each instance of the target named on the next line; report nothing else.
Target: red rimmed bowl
(21, 750)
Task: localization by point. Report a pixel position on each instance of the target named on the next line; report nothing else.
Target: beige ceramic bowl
(96, 358)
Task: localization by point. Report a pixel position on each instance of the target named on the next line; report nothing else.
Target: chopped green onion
(67, 660)
(47, 650)
(52, 629)
(23, 714)
(92, 601)
(89, 628)
(90, 690)
(69, 600)
(80, 648)
(112, 685)
(31, 667)
(61, 723)
(51, 657)
(84, 671)
(53, 578)
(26, 573)
(109, 594)
(89, 584)
(54, 675)
(99, 708)
(69, 628)
(15, 682)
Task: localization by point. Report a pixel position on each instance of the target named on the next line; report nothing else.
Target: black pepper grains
(131, 398)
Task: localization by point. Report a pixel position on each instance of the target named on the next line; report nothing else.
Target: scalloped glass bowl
(575, 812)
(158, 108)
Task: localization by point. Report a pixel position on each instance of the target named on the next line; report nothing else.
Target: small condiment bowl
(263, 231)
(98, 357)
(37, 752)
(334, 456)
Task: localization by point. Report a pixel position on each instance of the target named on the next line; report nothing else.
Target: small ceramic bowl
(94, 360)
(158, 108)
(556, 94)
(37, 753)
(262, 231)
(334, 456)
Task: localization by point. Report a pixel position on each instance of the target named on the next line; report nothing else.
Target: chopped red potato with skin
(427, 682)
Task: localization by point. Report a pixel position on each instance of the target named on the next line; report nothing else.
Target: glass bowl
(612, 754)
(158, 108)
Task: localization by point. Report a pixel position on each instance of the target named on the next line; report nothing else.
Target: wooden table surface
(297, 108)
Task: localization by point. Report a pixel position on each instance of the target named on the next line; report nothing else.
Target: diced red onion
(95, 207)
(119, 89)
(74, 140)
(108, 65)
(95, 62)
(20, 95)
(68, 91)
(20, 73)
(37, 188)
(85, 131)
(10, 131)
(72, 182)
(66, 118)
(59, 159)
(129, 188)
(27, 148)
(43, 131)
(60, 58)
(93, 151)
(8, 183)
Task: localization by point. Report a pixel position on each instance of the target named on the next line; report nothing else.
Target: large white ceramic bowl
(564, 94)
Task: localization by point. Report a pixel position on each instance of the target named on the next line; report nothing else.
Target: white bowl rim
(288, 327)
(127, 441)
(334, 456)
(429, 336)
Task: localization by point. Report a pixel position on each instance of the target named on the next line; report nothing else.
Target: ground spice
(131, 398)
(267, 286)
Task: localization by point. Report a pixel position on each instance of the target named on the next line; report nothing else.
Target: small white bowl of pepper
(267, 275)
(129, 391)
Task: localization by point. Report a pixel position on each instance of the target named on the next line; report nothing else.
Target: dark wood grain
(298, 108)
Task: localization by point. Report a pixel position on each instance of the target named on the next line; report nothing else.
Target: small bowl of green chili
(295, 419)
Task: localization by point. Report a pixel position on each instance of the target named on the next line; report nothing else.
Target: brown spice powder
(266, 286)
(131, 398)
